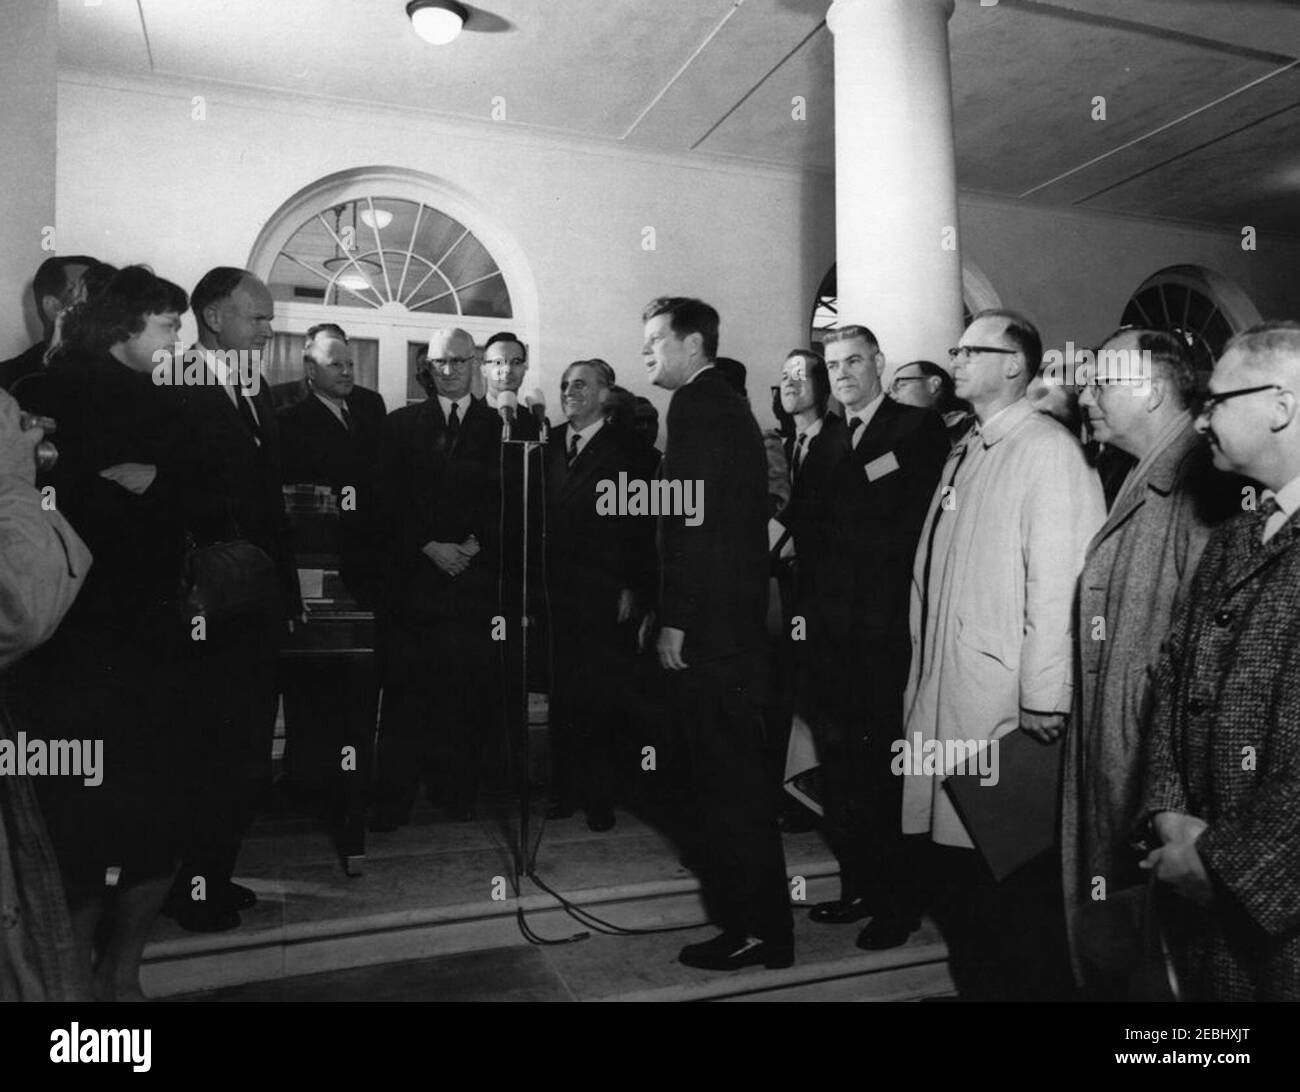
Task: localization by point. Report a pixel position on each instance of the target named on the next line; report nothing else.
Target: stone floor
(434, 867)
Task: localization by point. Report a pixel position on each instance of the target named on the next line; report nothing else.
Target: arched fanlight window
(393, 254)
(1196, 301)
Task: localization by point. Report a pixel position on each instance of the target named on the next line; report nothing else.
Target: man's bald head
(1251, 416)
(451, 359)
(1270, 352)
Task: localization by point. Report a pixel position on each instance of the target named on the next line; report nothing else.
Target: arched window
(977, 294)
(1197, 301)
(376, 250)
(390, 255)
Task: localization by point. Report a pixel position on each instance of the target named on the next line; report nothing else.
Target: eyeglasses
(1211, 402)
(968, 351)
(897, 384)
(450, 361)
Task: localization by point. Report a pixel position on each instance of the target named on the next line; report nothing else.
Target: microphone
(506, 403)
(536, 403)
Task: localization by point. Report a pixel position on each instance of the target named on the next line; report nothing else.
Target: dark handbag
(227, 580)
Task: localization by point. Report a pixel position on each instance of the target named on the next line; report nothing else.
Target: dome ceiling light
(437, 21)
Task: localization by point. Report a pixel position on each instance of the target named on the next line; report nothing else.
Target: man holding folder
(991, 623)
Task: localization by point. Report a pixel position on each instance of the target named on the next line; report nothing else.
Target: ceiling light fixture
(437, 21)
(379, 219)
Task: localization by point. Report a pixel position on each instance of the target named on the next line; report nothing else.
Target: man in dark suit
(505, 363)
(237, 494)
(712, 609)
(880, 488)
(331, 438)
(600, 568)
(55, 288)
(438, 467)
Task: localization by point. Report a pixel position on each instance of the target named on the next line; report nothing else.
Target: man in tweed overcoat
(1222, 786)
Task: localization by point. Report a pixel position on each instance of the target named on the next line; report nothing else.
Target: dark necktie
(245, 408)
(1267, 508)
(573, 449)
(453, 422)
(944, 493)
(347, 418)
(800, 449)
(853, 431)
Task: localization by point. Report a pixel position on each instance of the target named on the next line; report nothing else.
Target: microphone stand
(523, 861)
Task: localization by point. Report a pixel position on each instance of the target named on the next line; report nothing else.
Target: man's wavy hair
(687, 316)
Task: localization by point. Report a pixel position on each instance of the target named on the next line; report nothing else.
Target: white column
(898, 263)
(28, 46)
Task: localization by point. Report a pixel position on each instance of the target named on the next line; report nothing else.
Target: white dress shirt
(865, 414)
(584, 435)
(1288, 500)
(462, 402)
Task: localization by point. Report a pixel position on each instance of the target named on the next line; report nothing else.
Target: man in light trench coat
(993, 589)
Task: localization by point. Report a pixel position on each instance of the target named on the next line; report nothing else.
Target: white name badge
(878, 468)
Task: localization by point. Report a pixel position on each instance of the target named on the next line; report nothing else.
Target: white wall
(28, 46)
(1073, 272)
(139, 179)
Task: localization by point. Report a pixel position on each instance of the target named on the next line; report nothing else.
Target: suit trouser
(592, 668)
(232, 695)
(862, 805)
(744, 861)
(1006, 940)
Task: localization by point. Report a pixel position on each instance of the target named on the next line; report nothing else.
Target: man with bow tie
(1222, 783)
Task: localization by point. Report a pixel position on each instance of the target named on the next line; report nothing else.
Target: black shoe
(600, 819)
(237, 897)
(887, 931)
(840, 911)
(560, 809)
(730, 952)
(202, 917)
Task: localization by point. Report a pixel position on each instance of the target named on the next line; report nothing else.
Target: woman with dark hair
(107, 680)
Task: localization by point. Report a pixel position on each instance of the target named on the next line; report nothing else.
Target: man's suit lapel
(1248, 555)
(587, 463)
(326, 418)
(1160, 475)
(1133, 499)
(879, 435)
